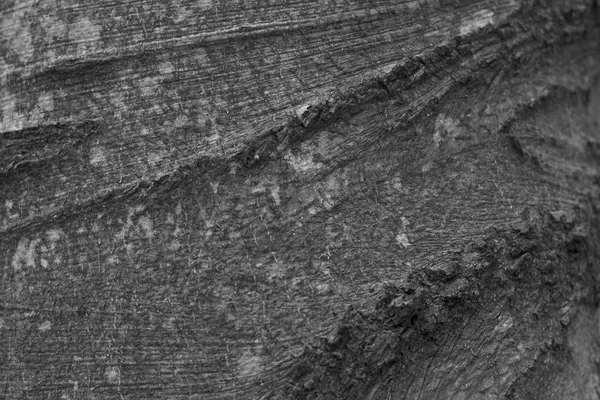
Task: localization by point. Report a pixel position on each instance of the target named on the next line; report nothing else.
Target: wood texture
(299, 199)
(173, 83)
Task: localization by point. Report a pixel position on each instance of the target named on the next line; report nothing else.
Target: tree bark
(300, 199)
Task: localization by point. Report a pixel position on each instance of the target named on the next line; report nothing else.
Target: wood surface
(299, 199)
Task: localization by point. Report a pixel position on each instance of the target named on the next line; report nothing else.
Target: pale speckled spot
(169, 323)
(276, 270)
(448, 125)
(44, 105)
(302, 163)
(249, 365)
(97, 156)
(166, 68)
(258, 189)
(413, 5)
(45, 326)
(201, 124)
(8, 204)
(127, 225)
(118, 99)
(112, 260)
(215, 187)
(234, 236)
(25, 254)
(45, 102)
(460, 396)
(96, 227)
(505, 324)
(476, 21)
(175, 245)
(83, 258)
(53, 27)
(201, 57)
(305, 195)
(333, 183)
(488, 382)
(50, 54)
(11, 118)
(447, 130)
(402, 239)
(437, 138)
(405, 222)
(85, 34)
(323, 288)
(330, 192)
(113, 375)
(328, 202)
(233, 167)
(44, 263)
(156, 158)
(182, 13)
(205, 4)
(148, 87)
(2, 323)
(146, 225)
(22, 42)
(3, 77)
(275, 194)
(54, 235)
(181, 121)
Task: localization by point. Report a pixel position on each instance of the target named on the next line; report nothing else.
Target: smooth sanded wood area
(299, 199)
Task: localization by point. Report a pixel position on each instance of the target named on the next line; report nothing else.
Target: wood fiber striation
(178, 97)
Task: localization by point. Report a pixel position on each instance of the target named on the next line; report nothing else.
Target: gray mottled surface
(299, 200)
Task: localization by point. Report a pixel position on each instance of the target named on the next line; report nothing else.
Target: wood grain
(299, 199)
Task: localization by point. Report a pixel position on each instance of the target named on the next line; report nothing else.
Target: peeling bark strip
(299, 199)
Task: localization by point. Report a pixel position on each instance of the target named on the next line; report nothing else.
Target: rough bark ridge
(309, 200)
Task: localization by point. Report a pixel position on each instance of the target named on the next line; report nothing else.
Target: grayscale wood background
(299, 199)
